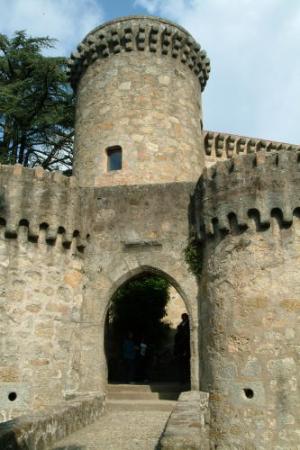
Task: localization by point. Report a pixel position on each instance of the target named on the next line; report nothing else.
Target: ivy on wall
(193, 254)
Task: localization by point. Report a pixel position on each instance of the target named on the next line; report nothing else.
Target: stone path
(134, 419)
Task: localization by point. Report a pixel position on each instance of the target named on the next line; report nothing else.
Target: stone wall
(41, 280)
(249, 227)
(135, 230)
(41, 298)
(145, 99)
(63, 254)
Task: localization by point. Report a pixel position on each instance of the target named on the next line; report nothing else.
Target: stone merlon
(138, 33)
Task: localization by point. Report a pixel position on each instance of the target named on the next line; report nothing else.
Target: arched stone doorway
(145, 313)
(97, 298)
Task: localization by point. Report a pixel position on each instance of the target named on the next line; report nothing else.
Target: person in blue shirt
(129, 357)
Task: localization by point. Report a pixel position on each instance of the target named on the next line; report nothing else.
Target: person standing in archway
(182, 348)
(143, 355)
(129, 357)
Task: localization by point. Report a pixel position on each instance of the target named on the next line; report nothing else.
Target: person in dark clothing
(129, 357)
(182, 349)
(143, 360)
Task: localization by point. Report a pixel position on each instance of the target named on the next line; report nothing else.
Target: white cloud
(253, 46)
(66, 20)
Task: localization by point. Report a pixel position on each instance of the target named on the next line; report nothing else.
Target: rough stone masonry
(231, 203)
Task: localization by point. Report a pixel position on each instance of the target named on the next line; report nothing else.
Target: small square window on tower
(114, 158)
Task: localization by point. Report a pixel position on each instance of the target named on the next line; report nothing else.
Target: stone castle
(218, 215)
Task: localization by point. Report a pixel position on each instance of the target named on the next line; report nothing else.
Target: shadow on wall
(9, 441)
(9, 437)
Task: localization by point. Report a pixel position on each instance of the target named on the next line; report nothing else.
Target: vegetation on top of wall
(193, 254)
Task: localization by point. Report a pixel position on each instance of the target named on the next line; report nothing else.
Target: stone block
(40, 431)
(188, 424)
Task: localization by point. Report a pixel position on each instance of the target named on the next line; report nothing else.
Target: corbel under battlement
(45, 203)
(233, 193)
(220, 146)
(139, 34)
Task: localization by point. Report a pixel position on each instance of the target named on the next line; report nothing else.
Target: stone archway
(158, 333)
(185, 284)
(139, 270)
(103, 282)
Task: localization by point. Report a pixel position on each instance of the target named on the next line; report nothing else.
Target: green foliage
(139, 306)
(36, 104)
(193, 256)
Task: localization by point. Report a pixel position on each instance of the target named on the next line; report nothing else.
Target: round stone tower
(248, 213)
(138, 117)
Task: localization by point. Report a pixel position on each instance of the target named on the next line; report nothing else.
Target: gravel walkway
(119, 430)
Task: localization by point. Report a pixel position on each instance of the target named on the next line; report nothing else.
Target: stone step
(153, 387)
(141, 395)
(132, 395)
(139, 405)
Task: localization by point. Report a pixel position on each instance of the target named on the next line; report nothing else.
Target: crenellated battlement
(233, 193)
(141, 34)
(47, 204)
(43, 234)
(221, 146)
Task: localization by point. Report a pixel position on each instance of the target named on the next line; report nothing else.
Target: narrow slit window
(114, 158)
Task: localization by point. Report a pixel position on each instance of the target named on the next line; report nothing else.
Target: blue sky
(254, 47)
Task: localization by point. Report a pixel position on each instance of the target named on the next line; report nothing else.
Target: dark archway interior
(143, 343)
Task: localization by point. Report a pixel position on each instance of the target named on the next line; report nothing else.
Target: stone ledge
(134, 244)
(40, 431)
(187, 427)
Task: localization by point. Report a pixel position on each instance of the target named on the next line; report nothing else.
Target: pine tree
(36, 104)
